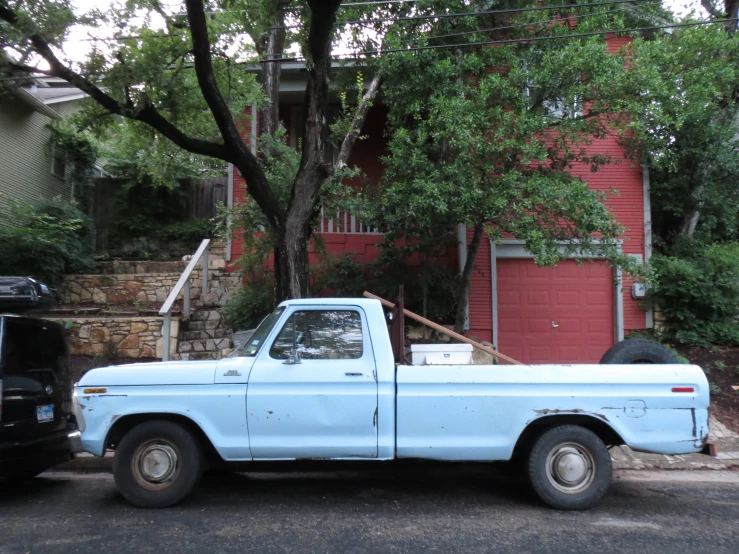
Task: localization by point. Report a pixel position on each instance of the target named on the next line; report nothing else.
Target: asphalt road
(402, 511)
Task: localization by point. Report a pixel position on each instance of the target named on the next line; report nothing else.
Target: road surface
(414, 511)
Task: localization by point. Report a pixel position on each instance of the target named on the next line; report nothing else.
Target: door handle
(555, 325)
(354, 373)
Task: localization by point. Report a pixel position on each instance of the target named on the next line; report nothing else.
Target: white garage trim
(230, 203)
(514, 248)
(647, 232)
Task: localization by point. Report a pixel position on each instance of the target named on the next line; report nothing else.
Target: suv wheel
(157, 464)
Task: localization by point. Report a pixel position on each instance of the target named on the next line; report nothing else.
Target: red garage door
(554, 315)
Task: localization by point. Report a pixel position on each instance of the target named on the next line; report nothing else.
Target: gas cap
(635, 408)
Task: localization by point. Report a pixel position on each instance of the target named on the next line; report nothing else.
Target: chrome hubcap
(156, 464)
(570, 468)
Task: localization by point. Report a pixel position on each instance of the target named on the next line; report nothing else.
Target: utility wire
(513, 40)
(517, 25)
(475, 14)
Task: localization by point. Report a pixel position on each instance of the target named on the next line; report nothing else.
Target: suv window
(31, 345)
(320, 335)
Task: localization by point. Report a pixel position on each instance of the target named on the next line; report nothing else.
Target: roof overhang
(30, 100)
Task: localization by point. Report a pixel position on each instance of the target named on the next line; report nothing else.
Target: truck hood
(157, 373)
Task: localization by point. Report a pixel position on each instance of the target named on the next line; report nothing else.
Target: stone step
(204, 334)
(205, 325)
(205, 315)
(207, 345)
(218, 355)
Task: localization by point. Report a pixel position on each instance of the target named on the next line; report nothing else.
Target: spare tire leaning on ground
(638, 351)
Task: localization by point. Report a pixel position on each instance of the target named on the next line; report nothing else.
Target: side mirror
(293, 358)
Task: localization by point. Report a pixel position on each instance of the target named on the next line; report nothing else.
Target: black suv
(37, 425)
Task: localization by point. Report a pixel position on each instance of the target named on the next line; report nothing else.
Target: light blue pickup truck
(317, 381)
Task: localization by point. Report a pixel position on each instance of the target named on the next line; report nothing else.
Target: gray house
(30, 169)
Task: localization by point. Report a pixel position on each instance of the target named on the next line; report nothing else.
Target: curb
(87, 463)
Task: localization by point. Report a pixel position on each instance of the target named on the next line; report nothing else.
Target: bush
(185, 232)
(250, 304)
(429, 288)
(51, 238)
(698, 293)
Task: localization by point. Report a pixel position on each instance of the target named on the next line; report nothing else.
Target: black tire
(638, 351)
(157, 464)
(554, 456)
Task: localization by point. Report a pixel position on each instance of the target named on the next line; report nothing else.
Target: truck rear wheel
(570, 468)
(157, 464)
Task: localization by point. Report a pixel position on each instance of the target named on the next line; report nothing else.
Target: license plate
(45, 413)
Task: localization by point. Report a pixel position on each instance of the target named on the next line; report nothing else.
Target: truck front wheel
(570, 467)
(157, 464)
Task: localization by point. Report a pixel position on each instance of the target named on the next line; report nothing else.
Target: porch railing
(183, 285)
(344, 222)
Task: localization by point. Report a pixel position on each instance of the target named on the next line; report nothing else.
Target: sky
(78, 44)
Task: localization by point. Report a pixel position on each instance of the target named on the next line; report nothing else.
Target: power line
(475, 14)
(517, 26)
(513, 40)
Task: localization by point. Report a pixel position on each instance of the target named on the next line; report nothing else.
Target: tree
(488, 138)
(185, 82)
(685, 88)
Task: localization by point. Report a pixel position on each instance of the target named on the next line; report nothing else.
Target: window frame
(55, 152)
(364, 329)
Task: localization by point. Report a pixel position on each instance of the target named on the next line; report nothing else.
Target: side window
(320, 335)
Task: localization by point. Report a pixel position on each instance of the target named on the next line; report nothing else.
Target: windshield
(252, 346)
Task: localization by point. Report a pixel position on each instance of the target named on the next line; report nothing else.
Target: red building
(567, 314)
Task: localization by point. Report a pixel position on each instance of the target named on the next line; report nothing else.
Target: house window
(58, 162)
(553, 103)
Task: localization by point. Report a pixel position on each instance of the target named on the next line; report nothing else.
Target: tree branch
(247, 163)
(358, 120)
(711, 9)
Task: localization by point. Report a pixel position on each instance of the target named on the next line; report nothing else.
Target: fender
(218, 410)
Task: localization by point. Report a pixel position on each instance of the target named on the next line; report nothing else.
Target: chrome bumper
(75, 441)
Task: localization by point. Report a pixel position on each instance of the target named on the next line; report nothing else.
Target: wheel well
(535, 429)
(124, 424)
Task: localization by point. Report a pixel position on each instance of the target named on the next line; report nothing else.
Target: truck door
(313, 392)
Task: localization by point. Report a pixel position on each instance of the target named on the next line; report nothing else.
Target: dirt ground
(721, 365)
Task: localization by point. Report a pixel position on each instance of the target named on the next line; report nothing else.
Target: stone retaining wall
(124, 288)
(135, 337)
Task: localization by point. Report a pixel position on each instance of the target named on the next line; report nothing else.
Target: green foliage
(50, 239)
(190, 232)
(250, 304)
(684, 124)
(429, 287)
(80, 154)
(475, 146)
(697, 289)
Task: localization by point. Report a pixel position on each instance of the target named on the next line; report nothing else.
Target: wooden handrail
(444, 330)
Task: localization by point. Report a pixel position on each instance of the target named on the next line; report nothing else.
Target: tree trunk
(464, 282)
(292, 271)
(273, 71)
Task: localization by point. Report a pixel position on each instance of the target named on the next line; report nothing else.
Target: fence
(344, 222)
(192, 200)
